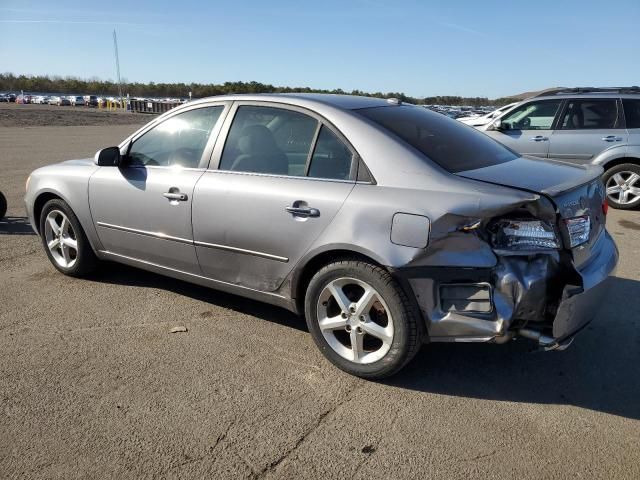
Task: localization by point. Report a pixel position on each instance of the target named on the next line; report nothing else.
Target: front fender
(71, 184)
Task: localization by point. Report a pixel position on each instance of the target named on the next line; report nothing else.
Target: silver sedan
(384, 224)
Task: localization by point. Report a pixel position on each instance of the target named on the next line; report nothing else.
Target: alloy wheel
(624, 187)
(61, 239)
(355, 320)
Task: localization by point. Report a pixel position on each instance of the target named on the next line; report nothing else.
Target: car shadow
(119, 274)
(599, 371)
(15, 226)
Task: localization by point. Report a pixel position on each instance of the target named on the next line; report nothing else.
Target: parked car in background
(90, 101)
(480, 120)
(63, 101)
(53, 100)
(76, 101)
(597, 126)
(385, 224)
(23, 99)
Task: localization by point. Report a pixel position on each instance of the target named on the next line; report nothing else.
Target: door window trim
(216, 155)
(546, 100)
(125, 146)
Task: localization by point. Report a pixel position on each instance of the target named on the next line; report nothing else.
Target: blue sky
(472, 48)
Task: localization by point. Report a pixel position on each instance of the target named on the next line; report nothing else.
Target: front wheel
(623, 186)
(64, 240)
(3, 205)
(361, 319)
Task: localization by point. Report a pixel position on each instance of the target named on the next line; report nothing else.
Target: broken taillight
(579, 229)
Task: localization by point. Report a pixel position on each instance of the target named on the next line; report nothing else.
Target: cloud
(75, 22)
(461, 28)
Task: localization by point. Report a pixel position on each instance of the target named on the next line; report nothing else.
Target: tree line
(73, 85)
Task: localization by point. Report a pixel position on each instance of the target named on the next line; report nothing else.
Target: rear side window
(631, 112)
(331, 158)
(269, 140)
(453, 146)
(590, 114)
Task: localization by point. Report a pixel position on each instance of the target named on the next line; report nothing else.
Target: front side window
(268, 140)
(453, 146)
(532, 116)
(631, 112)
(590, 114)
(178, 141)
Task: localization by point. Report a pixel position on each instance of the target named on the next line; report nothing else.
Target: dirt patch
(16, 115)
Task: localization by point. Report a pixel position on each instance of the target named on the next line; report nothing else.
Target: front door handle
(539, 138)
(180, 197)
(303, 211)
(612, 138)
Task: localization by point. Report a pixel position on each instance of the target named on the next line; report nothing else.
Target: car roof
(343, 102)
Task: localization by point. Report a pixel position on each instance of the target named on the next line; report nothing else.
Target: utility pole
(115, 49)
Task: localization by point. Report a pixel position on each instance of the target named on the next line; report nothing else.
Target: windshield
(452, 145)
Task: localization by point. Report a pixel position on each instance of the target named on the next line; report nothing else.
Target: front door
(142, 209)
(282, 178)
(527, 129)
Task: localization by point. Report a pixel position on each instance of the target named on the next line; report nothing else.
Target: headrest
(257, 139)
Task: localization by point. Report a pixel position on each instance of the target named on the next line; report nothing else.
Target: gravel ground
(17, 115)
(93, 385)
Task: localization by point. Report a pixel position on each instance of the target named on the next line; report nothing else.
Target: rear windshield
(452, 145)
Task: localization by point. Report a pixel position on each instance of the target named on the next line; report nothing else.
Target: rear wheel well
(316, 263)
(620, 161)
(39, 205)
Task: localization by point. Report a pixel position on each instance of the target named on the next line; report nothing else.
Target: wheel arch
(619, 161)
(310, 265)
(41, 200)
(39, 203)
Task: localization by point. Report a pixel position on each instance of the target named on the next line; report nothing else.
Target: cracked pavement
(93, 385)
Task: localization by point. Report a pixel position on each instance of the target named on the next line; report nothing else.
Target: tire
(396, 327)
(622, 182)
(3, 205)
(79, 260)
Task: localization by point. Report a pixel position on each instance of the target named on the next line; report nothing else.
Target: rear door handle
(612, 138)
(303, 211)
(539, 138)
(180, 197)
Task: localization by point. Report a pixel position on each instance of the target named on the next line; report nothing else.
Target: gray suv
(599, 126)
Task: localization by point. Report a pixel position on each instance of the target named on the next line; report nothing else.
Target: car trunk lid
(575, 190)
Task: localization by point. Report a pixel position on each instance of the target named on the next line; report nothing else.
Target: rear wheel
(361, 319)
(64, 240)
(623, 186)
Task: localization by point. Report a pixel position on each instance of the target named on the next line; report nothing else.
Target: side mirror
(108, 157)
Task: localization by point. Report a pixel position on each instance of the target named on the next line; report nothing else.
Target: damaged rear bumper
(542, 296)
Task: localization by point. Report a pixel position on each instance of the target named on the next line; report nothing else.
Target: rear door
(527, 128)
(274, 185)
(586, 128)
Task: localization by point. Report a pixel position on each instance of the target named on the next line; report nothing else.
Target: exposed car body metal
(248, 245)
